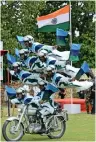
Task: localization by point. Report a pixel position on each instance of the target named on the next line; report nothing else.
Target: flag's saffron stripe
(63, 10)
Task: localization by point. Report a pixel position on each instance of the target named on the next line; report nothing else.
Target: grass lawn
(79, 127)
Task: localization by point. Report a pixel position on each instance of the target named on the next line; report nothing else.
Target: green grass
(80, 127)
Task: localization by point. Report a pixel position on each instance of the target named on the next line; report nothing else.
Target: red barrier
(74, 100)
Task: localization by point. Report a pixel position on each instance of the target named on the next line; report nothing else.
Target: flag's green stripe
(52, 28)
(74, 58)
(60, 42)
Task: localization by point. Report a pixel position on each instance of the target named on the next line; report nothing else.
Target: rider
(20, 95)
(26, 59)
(60, 81)
(71, 71)
(24, 53)
(35, 47)
(24, 76)
(44, 97)
(43, 61)
(63, 67)
(40, 63)
(28, 41)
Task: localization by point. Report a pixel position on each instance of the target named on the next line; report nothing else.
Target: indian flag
(57, 19)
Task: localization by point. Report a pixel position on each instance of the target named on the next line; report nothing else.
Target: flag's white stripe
(60, 19)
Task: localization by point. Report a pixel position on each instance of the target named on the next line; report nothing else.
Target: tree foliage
(19, 18)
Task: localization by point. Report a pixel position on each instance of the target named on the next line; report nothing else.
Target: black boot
(43, 128)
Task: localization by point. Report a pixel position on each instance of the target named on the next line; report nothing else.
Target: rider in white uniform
(60, 81)
(45, 100)
(24, 76)
(21, 93)
(35, 47)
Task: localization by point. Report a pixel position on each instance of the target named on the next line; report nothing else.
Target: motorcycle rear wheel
(53, 135)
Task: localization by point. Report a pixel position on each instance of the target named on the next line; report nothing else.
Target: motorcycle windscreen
(11, 92)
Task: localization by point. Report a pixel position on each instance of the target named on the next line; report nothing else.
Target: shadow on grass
(35, 137)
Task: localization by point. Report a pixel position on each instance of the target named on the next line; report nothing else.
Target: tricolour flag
(84, 69)
(74, 52)
(60, 36)
(57, 19)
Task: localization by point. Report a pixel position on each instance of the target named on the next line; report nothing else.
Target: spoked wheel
(57, 128)
(9, 131)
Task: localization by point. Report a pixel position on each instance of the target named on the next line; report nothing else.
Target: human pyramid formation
(48, 68)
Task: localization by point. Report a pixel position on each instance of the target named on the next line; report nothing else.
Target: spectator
(92, 98)
(87, 100)
(81, 94)
(62, 93)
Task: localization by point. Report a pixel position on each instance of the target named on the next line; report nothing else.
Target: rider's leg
(47, 109)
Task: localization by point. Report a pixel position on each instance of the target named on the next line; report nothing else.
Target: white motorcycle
(27, 121)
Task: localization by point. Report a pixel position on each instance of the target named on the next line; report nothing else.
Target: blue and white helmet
(50, 68)
(20, 90)
(16, 64)
(26, 88)
(42, 53)
(21, 51)
(28, 38)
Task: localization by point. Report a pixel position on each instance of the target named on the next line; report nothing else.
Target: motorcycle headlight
(19, 109)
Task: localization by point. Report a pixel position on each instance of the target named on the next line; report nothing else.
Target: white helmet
(26, 88)
(50, 68)
(42, 53)
(19, 90)
(26, 51)
(16, 64)
(28, 38)
(21, 51)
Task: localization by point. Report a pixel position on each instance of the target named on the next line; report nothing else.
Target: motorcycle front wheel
(9, 133)
(58, 130)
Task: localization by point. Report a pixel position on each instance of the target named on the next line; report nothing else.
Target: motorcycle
(28, 121)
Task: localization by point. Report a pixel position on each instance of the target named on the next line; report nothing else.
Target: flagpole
(70, 25)
(70, 44)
